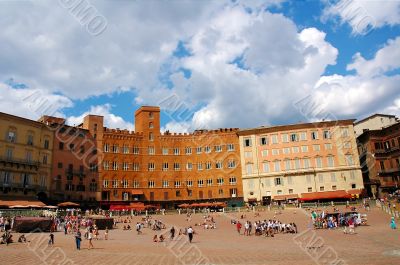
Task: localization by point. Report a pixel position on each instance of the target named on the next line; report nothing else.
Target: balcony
(386, 151)
(78, 173)
(20, 186)
(389, 171)
(20, 162)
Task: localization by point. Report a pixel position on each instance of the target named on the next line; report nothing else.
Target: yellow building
(25, 158)
(310, 161)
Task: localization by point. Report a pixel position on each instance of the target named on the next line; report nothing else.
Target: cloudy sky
(207, 64)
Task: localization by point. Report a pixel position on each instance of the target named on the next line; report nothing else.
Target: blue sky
(228, 63)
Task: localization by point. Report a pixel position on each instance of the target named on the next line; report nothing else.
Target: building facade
(166, 168)
(380, 159)
(74, 165)
(311, 160)
(374, 122)
(25, 158)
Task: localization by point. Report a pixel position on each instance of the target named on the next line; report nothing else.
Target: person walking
(106, 234)
(51, 240)
(393, 224)
(78, 239)
(90, 237)
(238, 227)
(190, 234)
(172, 231)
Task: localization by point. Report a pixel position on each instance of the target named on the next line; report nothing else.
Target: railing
(391, 170)
(19, 161)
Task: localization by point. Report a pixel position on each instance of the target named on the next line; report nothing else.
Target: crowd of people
(266, 228)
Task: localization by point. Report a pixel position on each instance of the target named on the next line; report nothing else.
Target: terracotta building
(25, 158)
(380, 159)
(74, 166)
(166, 168)
(309, 161)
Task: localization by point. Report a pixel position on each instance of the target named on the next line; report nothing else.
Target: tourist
(138, 228)
(172, 231)
(155, 238)
(162, 238)
(22, 239)
(90, 237)
(78, 238)
(51, 240)
(238, 227)
(393, 224)
(106, 234)
(190, 234)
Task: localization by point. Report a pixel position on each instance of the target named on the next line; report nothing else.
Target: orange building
(166, 168)
(380, 159)
(74, 165)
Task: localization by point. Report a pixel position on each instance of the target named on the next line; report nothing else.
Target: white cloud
(31, 103)
(386, 59)
(363, 16)
(110, 120)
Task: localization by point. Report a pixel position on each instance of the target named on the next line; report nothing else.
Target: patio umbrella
(68, 204)
(184, 205)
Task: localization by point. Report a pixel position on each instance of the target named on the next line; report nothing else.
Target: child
(51, 240)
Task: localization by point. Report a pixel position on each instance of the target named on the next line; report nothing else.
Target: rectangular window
(165, 166)
(304, 149)
(278, 181)
(290, 191)
(277, 166)
(199, 166)
(321, 188)
(288, 165)
(208, 165)
(115, 165)
(200, 183)
(285, 138)
(231, 147)
(151, 166)
(207, 149)
(177, 166)
(316, 147)
(303, 136)
(264, 153)
(309, 189)
(297, 163)
(189, 183)
(307, 163)
(218, 165)
(290, 180)
(198, 150)
(248, 154)
(11, 136)
(334, 187)
(274, 139)
(265, 167)
(321, 178)
(327, 134)
(333, 177)
(151, 183)
(188, 150)
(331, 162)
(232, 181)
(318, 162)
(296, 149)
(46, 144)
(218, 148)
(114, 148)
(263, 140)
(136, 167)
(294, 137)
(209, 182)
(328, 146)
(286, 150)
(314, 135)
(125, 166)
(247, 142)
(177, 184)
(125, 149)
(275, 152)
(249, 169)
(189, 166)
(136, 184)
(349, 160)
(135, 150)
(308, 178)
(345, 132)
(220, 181)
(165, 151)
(231, 164)
(176, 151)
(151, 150)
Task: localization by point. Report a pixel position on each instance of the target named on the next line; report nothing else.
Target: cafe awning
(286, 197)
(325, 195)
(22, 204)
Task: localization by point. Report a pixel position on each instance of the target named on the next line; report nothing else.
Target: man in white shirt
(190, 234)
